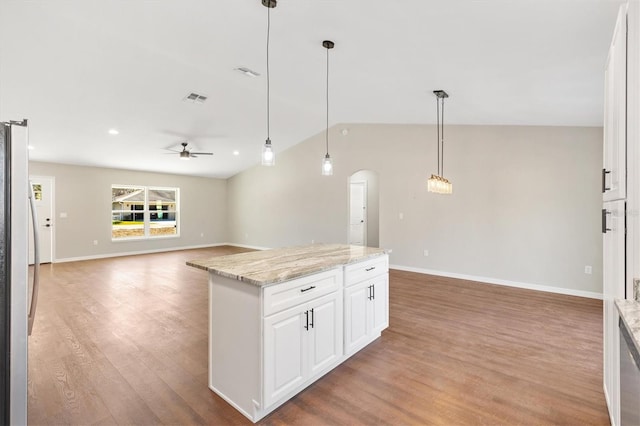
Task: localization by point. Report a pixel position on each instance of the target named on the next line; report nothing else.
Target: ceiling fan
(185, 154)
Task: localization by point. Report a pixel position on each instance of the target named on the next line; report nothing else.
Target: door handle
(605, 172)
(312, 318)
(36, 261)
(605, 212)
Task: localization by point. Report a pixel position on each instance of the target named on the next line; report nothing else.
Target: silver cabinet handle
(36, 259)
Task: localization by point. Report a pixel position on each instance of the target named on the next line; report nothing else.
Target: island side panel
(234, 343)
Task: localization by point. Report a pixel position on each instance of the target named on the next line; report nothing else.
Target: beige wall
(525, 208)
(84, 194)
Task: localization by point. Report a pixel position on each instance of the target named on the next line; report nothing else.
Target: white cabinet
(614, 172)
(613, 228)
(366, 312)
(614, 189)
(267, 343)
(366, 302)
(300, 344)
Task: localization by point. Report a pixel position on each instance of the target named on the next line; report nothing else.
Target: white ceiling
(77, 68)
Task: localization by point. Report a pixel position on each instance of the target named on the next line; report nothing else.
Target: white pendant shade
(268, 156)
(327, 166)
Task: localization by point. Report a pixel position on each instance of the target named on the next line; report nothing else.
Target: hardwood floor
(124, 341)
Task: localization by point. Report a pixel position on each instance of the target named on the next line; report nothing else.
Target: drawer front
(369, 268)
(286, 295)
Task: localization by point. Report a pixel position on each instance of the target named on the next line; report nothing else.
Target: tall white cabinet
(620, 188)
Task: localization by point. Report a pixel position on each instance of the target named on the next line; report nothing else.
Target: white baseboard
(134, 253)
(538, 287)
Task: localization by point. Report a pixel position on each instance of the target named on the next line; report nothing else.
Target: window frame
(146, 213)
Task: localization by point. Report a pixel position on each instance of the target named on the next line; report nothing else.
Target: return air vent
(195, 98)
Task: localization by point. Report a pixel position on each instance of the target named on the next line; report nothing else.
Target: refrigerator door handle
(36, 259)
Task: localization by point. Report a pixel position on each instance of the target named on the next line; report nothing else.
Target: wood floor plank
(124, 341)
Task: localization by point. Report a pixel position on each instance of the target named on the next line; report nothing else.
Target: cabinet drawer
(357, 272)
(286, 295)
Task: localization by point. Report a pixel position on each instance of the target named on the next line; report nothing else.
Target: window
(144, 212)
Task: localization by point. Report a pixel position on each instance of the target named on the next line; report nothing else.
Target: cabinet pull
(312, 318)
(604, 221)
(306, 314)
(373, 292)
(370, 269)
(605, 172)
(369, 295)
(302, 290)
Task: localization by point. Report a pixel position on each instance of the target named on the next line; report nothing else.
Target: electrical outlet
(401, 216)
(202, 235)
(313, 241)
(426, 253)
(95, 242)
(588, 269)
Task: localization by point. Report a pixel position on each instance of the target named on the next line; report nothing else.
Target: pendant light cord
(438, 127)
(327, 131)
(442, 133)
(268, 31)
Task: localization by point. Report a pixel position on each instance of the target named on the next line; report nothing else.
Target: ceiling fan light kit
(186, 154)
(438, 183)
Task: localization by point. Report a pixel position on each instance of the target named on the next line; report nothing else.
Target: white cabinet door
(379, 304)
(325, 333)
(366, 312)
(299, 343)
(614, 171)
(356, 299)
(284, 353)
(613, 226)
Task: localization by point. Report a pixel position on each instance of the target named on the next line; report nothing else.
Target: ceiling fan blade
(202, 153)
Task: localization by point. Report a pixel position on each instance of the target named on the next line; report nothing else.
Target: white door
(284, 353)
(43, 192)
(613, 227)
(325, 333)
(357, 213)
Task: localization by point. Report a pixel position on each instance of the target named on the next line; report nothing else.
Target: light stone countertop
(265, 267)
(630, 313)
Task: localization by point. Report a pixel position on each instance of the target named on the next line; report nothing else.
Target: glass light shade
(327, 166)
(268, 156)
(439, 185)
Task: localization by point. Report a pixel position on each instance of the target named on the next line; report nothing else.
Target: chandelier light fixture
(438, 183)
(268, 156)
(327, 165)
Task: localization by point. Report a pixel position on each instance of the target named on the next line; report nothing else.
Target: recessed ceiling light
(31, 147)
(236, 152)
(247, 72)
(114, 132)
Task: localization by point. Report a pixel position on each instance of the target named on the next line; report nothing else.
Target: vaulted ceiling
(77, 68)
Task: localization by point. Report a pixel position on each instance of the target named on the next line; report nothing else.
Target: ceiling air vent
(195, 98)
(246, 71)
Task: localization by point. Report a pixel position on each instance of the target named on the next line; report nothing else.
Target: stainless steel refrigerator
(17, 290)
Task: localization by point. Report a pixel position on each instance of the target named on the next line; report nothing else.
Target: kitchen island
(280, 319)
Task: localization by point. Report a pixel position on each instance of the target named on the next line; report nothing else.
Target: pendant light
(268, 156)
(438, 183)
(327, 165)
